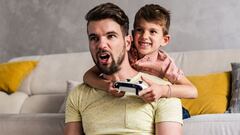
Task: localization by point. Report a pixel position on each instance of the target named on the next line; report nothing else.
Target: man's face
(107, 45)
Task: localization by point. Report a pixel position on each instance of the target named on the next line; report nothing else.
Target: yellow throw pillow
(12, 74)
(213, 92)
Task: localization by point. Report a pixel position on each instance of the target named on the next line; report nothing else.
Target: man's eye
(93, 39)
(111, 36)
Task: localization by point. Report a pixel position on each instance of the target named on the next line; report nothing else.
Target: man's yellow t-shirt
(101, 113)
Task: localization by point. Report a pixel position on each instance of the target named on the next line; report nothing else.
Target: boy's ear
(165, 40)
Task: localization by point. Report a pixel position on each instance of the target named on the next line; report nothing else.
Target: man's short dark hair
(111, 11)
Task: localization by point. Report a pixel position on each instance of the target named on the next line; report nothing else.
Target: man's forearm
(168, 128)
(73, 128)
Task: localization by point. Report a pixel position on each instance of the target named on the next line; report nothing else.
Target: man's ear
(165, 40)
(128, 41)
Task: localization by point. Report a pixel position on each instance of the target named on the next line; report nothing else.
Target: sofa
(34, 109)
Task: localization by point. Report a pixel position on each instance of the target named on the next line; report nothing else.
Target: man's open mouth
(104, 57)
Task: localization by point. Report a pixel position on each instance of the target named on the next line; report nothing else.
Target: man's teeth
(104, 56)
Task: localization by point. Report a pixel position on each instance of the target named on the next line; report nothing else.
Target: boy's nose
(145, 34)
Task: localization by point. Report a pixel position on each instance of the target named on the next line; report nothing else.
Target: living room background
(35, 27)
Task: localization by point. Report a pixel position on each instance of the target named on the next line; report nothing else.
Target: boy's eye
(138, 30)
(153, 31)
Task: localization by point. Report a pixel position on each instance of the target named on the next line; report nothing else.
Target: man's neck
(125, 72)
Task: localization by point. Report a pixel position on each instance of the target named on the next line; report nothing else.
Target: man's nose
(102, 43)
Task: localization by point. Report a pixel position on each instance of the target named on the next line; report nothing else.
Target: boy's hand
(152, 93)
(115, 92)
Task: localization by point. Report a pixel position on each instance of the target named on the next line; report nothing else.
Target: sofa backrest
(46, 85)
(207, 61)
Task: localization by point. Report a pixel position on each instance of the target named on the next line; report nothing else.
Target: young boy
(151, 26)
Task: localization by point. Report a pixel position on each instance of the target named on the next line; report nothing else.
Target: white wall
(33, 27)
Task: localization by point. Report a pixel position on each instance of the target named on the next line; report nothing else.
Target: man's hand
(153, 92)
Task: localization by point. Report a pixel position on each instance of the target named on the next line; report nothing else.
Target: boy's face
(107, 44)
(148, 37)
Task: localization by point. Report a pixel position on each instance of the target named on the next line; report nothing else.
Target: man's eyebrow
(108, 33)
(112, 32)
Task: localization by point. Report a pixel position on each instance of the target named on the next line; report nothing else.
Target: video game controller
(129, 86)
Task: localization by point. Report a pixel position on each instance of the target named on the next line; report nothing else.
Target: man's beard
(114, 66)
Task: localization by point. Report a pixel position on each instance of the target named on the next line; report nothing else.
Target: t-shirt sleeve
(169, 110)
(72, 113)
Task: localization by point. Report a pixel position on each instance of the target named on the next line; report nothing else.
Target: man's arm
(168, 128)
(73, 128)
(169, 117)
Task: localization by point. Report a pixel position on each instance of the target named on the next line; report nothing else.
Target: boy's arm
(183, 88)
(91, 77)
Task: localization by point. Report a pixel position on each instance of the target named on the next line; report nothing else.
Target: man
(91, 111)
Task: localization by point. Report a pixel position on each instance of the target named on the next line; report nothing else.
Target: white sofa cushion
(43, 103)
(206, 61)
(32, 124)
(11, 103)
(54, 70)
(213, 124)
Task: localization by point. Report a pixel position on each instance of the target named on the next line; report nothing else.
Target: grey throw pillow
(235, 100)
(71, 85)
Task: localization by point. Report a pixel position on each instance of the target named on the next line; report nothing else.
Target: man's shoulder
(84, 90)
(79, 89)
